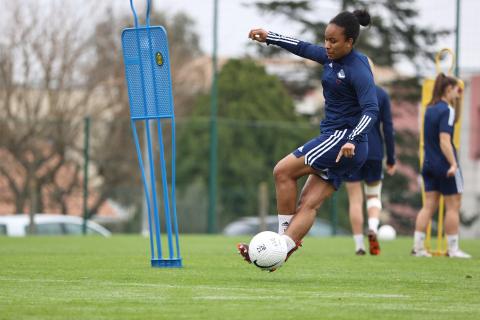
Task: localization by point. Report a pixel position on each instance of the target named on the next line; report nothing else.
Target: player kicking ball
(351, 109)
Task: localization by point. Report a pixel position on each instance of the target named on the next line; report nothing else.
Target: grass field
(99, 278)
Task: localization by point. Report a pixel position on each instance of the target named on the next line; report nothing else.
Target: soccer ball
(386, 232)
(267, 250)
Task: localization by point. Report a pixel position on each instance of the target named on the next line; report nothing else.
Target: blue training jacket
(375, 136)
(348, 87)
(438, 118)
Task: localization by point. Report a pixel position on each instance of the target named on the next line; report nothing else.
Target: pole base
(167, 263)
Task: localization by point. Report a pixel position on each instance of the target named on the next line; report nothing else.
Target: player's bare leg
(374, 206)
(314, 193)
(286, 173)
(423, 218)
(355, 211)
(452, 220)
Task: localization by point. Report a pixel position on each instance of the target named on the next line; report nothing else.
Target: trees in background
(257, 126)
(55, 69)
(117, 167)
(43, 96)
(394, 37)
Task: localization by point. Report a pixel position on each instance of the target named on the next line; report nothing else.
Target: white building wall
(470, 168)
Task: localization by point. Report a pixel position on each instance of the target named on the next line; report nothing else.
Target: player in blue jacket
(440, 172)
(351, 109)
(371, 173)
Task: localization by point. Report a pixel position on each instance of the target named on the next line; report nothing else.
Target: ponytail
(441, 84)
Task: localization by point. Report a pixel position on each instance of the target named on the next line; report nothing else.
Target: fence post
(85, 172)
(333, 213)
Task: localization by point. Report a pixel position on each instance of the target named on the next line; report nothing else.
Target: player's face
(336, 44)
(453, 92)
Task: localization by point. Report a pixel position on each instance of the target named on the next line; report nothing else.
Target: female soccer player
(441, 173)
(372, 174)
(351, 109)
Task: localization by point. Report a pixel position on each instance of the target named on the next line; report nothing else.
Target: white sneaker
(458, 254)
(421, 253)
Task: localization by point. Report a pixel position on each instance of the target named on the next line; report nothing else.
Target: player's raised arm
(295, 46)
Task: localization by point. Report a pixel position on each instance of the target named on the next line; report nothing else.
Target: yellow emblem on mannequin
(159, 59)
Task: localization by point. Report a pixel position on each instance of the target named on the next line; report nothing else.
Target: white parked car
(48, 224)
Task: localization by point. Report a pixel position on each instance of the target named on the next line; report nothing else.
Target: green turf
(98, 278)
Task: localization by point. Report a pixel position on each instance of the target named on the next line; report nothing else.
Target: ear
(350, 42)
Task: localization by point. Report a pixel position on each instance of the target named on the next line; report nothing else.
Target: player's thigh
(292, 167)
(354, 191)
(453, 202)
(431, 200)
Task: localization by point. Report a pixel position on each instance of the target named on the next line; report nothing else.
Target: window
(77, 229)
(3, 230)
(52, 228)
(93, 231)
(71, 228)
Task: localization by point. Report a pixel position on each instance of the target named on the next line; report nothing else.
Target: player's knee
(373, 191)
(280, 173)
(374, 203)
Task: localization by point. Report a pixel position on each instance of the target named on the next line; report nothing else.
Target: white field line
(253, 291)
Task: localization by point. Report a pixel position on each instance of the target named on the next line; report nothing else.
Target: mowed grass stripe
(97, 278)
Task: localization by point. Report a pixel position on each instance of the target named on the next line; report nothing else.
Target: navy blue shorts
(434, 181)
(321, 152)
(371, 171)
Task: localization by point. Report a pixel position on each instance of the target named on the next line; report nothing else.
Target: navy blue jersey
(348, 87)
(438, 118)
(383, 124)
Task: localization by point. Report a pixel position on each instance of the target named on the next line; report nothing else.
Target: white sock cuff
(284, 222)
(358, 236)
(358, 239)
(452, 241)
(289, 241)
(373, 224)
(419, 240)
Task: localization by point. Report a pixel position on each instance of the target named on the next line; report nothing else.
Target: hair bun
(363, 17)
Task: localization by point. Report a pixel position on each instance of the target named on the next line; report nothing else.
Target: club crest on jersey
(341, 74)
(330, 65)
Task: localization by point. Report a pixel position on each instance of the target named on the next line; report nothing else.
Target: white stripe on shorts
(331, 146)
(459, 181)
(321, 146)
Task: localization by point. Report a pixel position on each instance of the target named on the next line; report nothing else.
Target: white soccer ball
(267, 250)
(386, 232)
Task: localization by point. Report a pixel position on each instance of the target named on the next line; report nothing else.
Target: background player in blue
(441, 172)
(372, 174)
(351, 109)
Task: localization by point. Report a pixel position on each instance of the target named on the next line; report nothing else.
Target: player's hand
(391, 168)
(347, 151)
(451, 171)
(259, 35)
